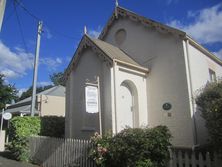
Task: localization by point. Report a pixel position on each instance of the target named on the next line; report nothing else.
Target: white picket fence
(189, 158)
(56, 152)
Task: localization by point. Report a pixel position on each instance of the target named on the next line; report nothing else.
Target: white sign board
(91, 95)
(7, 116)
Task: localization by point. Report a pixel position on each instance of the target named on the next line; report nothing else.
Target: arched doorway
(128, 115)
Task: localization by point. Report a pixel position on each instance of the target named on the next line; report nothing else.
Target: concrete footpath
(5, 162)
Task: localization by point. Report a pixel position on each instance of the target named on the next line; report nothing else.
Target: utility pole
(35, 74)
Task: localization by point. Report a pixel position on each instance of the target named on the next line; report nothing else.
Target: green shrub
(145, 163)
(133, 147)
(23, 127)
(20, 129)
(209, 102)
(52, 126)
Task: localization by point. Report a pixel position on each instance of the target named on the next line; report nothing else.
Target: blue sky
(63, 23)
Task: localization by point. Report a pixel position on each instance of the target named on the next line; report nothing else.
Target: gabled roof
(125, 13)
(114, 52)
(53, 91)
(25, 104)
(122, 12)
(103, 49)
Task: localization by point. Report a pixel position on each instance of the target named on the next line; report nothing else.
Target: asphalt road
(4, 162)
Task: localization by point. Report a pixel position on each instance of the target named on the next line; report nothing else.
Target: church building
(138, 73)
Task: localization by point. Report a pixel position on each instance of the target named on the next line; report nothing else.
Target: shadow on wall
(201, 130)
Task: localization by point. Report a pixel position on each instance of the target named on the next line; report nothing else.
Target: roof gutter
(204, 50)
(142, 69)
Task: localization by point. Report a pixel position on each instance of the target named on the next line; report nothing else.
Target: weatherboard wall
(52, 105)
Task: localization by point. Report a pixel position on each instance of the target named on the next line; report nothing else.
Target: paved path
(4, 162)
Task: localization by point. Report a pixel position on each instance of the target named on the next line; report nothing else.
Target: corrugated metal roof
(23, 109)
(113, 52)
(24, 105)
(54, 91)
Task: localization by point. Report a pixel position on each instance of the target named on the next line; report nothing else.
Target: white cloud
(48, 33)
(44, 83)
(58, 60)
(9, 73)
(51, 64)
(218, 53)
(95, 32)
(171, 1)
(20, 91)
(14, 64)
(206, 26)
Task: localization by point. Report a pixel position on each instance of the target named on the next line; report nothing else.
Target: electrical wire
(11, 14)
(20, 28)
(26, 10)
(45, 24)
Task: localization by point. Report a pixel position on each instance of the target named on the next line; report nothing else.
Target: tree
(7, 92)
(58, 78)
(209, 102)
(28, 92)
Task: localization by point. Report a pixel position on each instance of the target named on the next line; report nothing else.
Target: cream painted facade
(50, 102)
(51, 105)
(164, 65)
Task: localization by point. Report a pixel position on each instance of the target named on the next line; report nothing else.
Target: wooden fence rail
(189, 158)
(55, 152)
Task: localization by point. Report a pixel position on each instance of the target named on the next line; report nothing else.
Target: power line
(26, 10)
(37, 19)
(20, 28)
(11, 14)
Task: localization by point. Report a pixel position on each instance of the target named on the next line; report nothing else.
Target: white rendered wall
(199, 69)
(121, 75)
(80, 123)
(163, 55)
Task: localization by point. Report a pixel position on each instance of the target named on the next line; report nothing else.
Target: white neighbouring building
(149, 74)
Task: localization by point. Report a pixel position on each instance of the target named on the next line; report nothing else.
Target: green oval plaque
(167, 106)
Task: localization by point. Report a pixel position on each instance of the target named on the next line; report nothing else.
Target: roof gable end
(124, 13)
(105, 51)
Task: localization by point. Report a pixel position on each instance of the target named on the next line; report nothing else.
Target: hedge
(52, 126)
(20, 129)
(133, 147)
(23, 127)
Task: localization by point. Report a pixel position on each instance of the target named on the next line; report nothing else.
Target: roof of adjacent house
(24, 105)
(104, 49)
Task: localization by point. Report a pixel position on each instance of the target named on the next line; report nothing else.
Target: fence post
(193, 158)
(208, 160)
(171, 157)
